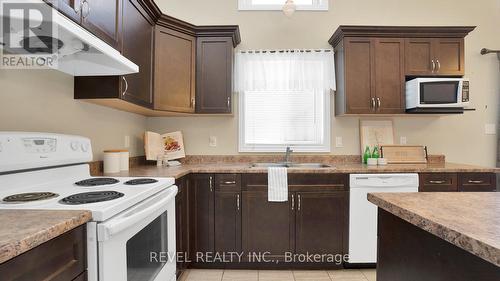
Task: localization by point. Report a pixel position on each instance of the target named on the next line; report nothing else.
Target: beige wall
(461, 138)
(42, 101)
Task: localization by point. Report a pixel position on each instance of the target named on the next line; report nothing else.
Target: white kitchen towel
(277, 184)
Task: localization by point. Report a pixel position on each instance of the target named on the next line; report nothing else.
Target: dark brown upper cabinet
(214, 75)
(372, 63)
(102, 19)
(133, 92)
(174, 83)
(183, 68)
(372, 73)
(435, 57)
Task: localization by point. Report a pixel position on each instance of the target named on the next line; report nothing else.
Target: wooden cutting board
(404, 154)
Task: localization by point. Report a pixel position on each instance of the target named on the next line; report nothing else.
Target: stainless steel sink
(291, 165)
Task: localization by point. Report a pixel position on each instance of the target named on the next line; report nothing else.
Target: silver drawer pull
(475, 182)
(437, 182)
(229, 182)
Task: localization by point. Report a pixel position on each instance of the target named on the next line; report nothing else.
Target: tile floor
(279, 275)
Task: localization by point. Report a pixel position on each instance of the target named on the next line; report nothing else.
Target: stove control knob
(85, 147)
(74, 145)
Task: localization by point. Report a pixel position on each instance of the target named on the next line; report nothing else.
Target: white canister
(124, 160)
(382, 161)
(371, 161)
(112, 161)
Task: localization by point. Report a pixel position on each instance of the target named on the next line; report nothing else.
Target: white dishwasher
(363, 214)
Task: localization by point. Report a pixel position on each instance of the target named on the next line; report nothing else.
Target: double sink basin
(291, 165)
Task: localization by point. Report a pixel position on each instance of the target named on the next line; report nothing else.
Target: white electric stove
(133, 219)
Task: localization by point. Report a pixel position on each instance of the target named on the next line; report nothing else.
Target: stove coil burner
(140, 181)
(91, 197)
(97, 182)
(29, 197)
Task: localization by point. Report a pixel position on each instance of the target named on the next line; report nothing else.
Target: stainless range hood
(77, 51)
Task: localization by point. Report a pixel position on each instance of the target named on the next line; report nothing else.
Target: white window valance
(289, 70)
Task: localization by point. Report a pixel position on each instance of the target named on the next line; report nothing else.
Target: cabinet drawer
(229, 182)
(438, 182)
(477, 182)
(62, 258)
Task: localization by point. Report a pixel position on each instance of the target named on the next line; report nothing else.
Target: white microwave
(437, 93)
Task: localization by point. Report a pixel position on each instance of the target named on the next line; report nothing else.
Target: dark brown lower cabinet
(182, 223)
(453, 182)
(201, 187)
(227, 221)
(319, 222)
(477, 182)
(62, 258)
(267, 227)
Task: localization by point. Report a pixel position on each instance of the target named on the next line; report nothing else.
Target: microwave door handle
(108, 229)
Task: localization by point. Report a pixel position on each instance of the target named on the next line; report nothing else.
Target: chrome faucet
(287, 154)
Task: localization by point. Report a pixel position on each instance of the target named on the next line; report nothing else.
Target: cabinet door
(137, 30)
(214, 75)
(419, 56)
(358, 76)
(70, 8)
(202, 210)
(174, 86)
(389, 75)
(267, 226)
(182, 220)
(320, 222)
(227, 222)
(102, 19)
(449, 56)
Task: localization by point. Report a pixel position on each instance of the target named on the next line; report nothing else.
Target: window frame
(318, 5)
(325, 147)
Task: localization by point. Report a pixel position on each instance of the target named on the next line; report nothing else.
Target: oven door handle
(135, 215)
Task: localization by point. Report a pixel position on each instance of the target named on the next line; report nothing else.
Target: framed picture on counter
(375, 132)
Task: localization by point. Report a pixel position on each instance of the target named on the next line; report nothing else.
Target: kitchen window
(272, 5)
(284, 100)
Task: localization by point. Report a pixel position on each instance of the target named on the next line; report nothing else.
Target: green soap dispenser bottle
(375, 153)
(366, 155)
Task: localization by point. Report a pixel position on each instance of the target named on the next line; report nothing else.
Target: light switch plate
(402, 140)
(212, 141)
(339, 142)
(490, 129)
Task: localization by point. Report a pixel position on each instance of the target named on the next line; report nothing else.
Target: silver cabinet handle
(193, 102)
(211, 184)
(438, 65)
(238, 202)
(85, 9)
(433, 66)
(228, 102)
(437, 182)
(373, 104)
(475, 182)
(126, 85)
(298, 207)
(293, 202)
(229, 182)
(379, 103)
(76, 7)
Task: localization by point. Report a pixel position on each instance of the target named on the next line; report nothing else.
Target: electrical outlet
(339, 142)
(212, 141)
(402, 140)
(490, 129)
(127, 142)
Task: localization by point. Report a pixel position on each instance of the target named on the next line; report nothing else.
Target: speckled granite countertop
(470, 221)
(346, 168)
(23, 230)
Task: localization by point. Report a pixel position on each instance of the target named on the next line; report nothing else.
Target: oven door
(440, 93)
(139, 243)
